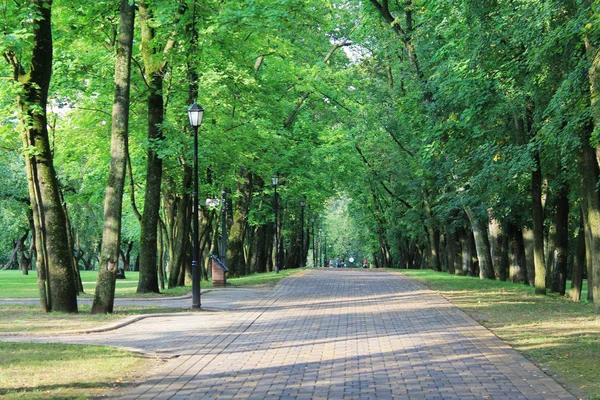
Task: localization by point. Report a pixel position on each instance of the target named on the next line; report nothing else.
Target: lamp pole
(275, 180)
(223, 225)
(319, 248)
(195, 114)
(325, 262)
(312, 221)
(302, 257)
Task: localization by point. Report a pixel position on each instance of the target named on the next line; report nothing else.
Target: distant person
(365, 263)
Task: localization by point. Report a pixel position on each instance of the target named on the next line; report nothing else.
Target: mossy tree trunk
(54, 256)
(561, 241)
(578, 265)
(482, 245)
(590, 206)
(155, 70)
(537, 209)
(113, 202)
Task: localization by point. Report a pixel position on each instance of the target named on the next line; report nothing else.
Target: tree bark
(498, 251)
(54, 257)
(178, 224)
(113, 202)
(433, 235)
(529, 265)
(538, 228)
(465, 247)
(590, 205)
(578, 265)
(516, 248)
(561, 249)
(451, 253)
(482, 245)
(154, 70)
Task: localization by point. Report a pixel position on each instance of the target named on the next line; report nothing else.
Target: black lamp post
(319, 249)
(302, 258)
(195, 114)
(325, 262)
(312, 221)
(223, 225)
(275, 180)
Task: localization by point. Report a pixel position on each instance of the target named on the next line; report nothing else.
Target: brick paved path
(333, 334)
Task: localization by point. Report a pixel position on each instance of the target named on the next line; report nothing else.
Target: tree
(54, 258)
(113, 202)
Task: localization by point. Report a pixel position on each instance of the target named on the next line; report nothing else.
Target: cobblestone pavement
(331, 334)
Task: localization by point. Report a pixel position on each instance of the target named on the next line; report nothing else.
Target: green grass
(264, 279)
(560, 336)
(29, 318)
(13, 284)
(61, 371)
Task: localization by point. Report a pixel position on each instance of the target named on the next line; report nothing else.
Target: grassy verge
(61, 371)
(13, 284)
(28, 318)
(560, 336)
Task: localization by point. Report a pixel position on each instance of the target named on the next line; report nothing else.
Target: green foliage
(369, 129)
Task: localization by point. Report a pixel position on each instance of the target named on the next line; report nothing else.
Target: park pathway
(331, 334)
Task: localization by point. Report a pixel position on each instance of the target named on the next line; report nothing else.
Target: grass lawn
(43, 371)
(61, 371)
(13, 284)
(560, 336)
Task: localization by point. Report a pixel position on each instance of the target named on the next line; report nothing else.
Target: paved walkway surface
(329, 334)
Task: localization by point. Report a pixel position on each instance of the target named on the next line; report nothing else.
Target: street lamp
(275, 180)
(325, 262)
(195, 114)
(319, 249)
(223, 225)
(312, 221)
(302, 258)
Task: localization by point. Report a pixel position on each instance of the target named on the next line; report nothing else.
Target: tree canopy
(459, 136)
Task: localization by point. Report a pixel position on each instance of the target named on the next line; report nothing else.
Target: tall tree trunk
(236, 261)
(465, 247)
(590, 206)
(561, 249)
(578, 265)
(538, 228)
(433, 235)
(498, 250)
(148, 281)
(482, 245)
(529, 264)
(54, 257)
(149, 227)
(451, 253)
(516, 248)
(113, 201)
(179, 230)
(262, 237)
